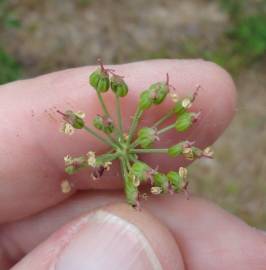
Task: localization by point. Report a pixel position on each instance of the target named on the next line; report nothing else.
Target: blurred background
(42, 36)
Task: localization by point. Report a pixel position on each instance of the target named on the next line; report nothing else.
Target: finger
(116, 237)
(209, 237)
(32, 148)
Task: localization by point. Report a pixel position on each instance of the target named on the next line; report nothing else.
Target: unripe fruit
(175, 180)
(74, 119)
(184, 121)
(175, 150)
(145, 100)
(99, 79)
(158, 92)
(161, 180)
(102, 124)
(146, 136)
(70, 169)
(118, 86)
(179, 108)
(139, 170)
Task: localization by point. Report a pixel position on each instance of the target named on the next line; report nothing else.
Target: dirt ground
(60, 34)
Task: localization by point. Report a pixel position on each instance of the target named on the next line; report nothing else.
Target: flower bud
(158, 92)
(103, 123)
(145, 100)
(184, 121)
(161, 180)
(99, 79)
(139, 170)
(146, 136)
(119, 86)
(175, 180)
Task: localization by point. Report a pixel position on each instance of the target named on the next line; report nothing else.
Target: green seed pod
(145, 100)
(184, 121)
(74, 119)
(161, 180)
(146, 136)
(179, 108)
(158, 92)
(175, 150)
(105, 125)
(175, 180)
(99, 79)
(70, 169)
(119, 86)
(139, 170)
(98, 122)
(131, 192)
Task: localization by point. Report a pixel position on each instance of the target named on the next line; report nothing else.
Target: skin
(32, 168)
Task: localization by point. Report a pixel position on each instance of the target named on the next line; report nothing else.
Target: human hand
(170, 232)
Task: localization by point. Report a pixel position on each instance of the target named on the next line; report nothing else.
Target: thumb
(116, 237)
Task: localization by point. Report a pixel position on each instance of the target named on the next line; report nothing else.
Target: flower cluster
(126, 146)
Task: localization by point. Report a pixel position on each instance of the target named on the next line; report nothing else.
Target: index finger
(32, 149)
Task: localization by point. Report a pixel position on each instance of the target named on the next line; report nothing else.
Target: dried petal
(66, 186)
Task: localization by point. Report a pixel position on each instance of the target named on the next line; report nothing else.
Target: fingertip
(114, 237)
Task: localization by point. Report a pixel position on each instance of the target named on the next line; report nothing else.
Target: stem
(108, 157)
(148, 151)
(134, 144)
(165, 117)
(96, 135)
(103, 104)
(123, 168)
(133, 159)
(106, 113)
(118, 112)
(165, 129)
(134, 124)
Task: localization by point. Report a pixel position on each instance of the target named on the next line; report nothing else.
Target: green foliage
(7, 18)
(9, 69)
(245, 40)
(249, 37)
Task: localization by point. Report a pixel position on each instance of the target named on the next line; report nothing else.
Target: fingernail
(107, 241)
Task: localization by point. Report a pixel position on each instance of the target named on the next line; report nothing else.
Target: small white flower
(182, 172)
(186, 103)
(80, 114)
(136, 181)
(107, 165)
(67, 129)
(68, 160)
(156, 190)
(174, 97)
(208, 152)
(188, 153)
(91, 159)
(66, 186)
